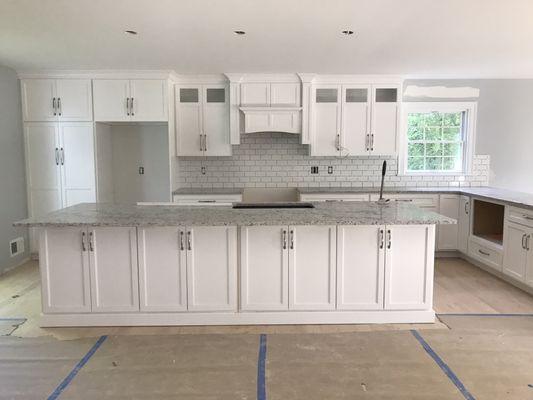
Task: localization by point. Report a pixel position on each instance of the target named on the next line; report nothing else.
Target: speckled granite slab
(335, 213)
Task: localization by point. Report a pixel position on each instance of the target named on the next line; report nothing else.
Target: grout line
(261, 386)
(63, 385)
(443, 366)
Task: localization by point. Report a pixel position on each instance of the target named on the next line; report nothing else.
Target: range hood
(272, 119)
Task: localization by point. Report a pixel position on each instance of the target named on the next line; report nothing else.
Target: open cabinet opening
(132, 163)
(488, 221)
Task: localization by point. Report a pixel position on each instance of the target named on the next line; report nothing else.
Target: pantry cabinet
(351, 119)
(360, 267)
(409, 267)
(141, 100)
(202, 120)
(56, 100)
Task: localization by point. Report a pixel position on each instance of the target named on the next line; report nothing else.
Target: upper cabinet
(48, 100)
(270, 94)
(354, 119)
(202, 120)
(130, 100)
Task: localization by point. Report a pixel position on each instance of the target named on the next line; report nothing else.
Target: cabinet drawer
(425, 201)
(205, 200)
(520, 216)
(334, 197)
(491, 257)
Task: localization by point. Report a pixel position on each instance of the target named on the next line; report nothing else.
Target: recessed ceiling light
(347, 32)
(239, 32)
(131, 32)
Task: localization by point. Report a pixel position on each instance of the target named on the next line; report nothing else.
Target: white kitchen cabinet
(285, 94)
(312, 267)
(141, 100)
(114, 269)
(202, 120)
(385, 110)
(64, 266)
(463, 226)
(334, 197)
(211, 268)
(515, 255)
(270, 94)
(327, 120)
(360, 267)
(56, 100)
(162, 269)
(355, 132)
(409, 267)
(255, 94)
(264, 268)
(447, 237)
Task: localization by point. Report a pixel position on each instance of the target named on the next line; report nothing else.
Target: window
(437, 138)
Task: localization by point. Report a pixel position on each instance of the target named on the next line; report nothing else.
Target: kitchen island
(120, 265)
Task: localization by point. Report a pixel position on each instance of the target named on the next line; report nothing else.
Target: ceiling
(417, 38)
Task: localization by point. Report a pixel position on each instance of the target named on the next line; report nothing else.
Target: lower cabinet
(409, 258)
(517, 258)
(288, 267)
(447, 237)
(113, 265)
(360, 267)
(463, 224)
(87, 270)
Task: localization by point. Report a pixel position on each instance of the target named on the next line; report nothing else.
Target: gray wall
(504, 128)
(12, 175)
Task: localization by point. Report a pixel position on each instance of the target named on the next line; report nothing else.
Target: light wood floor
(460, 287)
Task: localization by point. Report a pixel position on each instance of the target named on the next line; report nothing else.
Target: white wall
(12, 170)
(504, 127)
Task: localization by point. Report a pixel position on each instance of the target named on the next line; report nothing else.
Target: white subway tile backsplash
(278, 160)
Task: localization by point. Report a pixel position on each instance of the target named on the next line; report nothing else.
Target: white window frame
(470, 108)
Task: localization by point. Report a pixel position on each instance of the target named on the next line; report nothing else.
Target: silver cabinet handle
(366, 141)
(91, 247)
(59, 105)
(292, 239)
(62, 155)
(466, 207)
(524, 246)
(338, 142)
(54, 105)
(527, 242)
(182, 247)
(372, 142)
(132, 107)
(83, 248)
(381, 238)
(189, 244)
(205, 142)
(57, 156)
(127, 106)
(201, 142)
(389, 239)
(483, 252)
(284, 239)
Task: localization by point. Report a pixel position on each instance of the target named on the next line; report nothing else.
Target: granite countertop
(338, 213)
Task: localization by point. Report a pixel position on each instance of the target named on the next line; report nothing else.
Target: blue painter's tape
(261, 385)
(63, 385)
(443, 366)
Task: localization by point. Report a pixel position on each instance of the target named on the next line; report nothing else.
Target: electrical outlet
(16, 246)
(203, 170)
(314, 169)
(330, 169)
(141, 170)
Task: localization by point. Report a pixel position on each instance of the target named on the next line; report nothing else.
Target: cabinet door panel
(264, 268)
(189, 121)
(42, 167)
(37, 97)
(355, 120)
(409, 267)
(285, 94)
(515, 256)
(149, 100)
(114, 274)
(448, 233)
(216, 122)
(162, 269)
(110, 97)
(327, 118)
(312, 258)
(64, 266)
(212, 268)
(76, 99)
(360, 267)
(463, 224)
(255, 94)
(77, 160)
(529, 263)
(384, 120)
